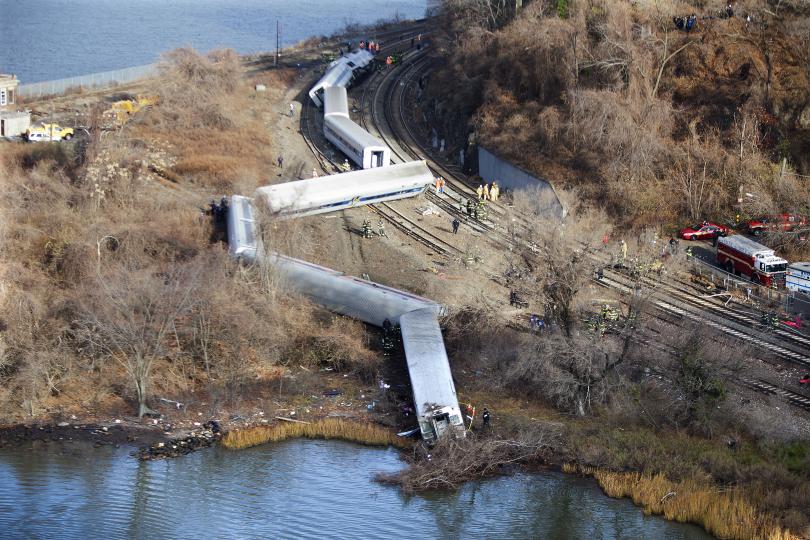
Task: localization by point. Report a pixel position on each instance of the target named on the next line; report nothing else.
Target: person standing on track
(480, 192)
(280, 162)
(456, 224)
(486, 192)
(494, 191)
(381, 229)
(292, 110)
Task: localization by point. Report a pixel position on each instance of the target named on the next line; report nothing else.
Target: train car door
(377, 159)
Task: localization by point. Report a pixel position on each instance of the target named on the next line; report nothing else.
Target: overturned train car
(434, 392)
(345, 190)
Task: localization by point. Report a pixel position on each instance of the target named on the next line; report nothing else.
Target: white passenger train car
(356, 143)
(798, 277)
(346, 190)
(341, 72)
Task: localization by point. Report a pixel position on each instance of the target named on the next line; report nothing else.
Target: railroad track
(682, 303)
(317, 144)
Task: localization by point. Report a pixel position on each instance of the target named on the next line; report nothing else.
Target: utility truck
(740, 255)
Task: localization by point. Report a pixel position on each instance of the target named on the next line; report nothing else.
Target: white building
(12, 120)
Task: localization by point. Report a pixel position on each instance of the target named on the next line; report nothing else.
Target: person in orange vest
(486, 192)
(480, 192)
(441, 185)
(437, 184)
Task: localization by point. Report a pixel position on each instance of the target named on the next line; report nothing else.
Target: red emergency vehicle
(777, 223)
(739, 254)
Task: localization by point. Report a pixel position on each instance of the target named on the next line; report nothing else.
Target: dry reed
(725, 513)
(329, 428)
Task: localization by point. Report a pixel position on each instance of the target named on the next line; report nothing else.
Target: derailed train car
(359, 145)
(434, 392)
(346, 190)
(342, 72)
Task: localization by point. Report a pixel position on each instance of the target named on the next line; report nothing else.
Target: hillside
(656, 125)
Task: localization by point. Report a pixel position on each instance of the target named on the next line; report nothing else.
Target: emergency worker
(381, 229)
(623, 247)
(486, 192)
(456, 224)
(367, 233)
(494, 192)
(480, 192)
(485, 419)
(469, 207)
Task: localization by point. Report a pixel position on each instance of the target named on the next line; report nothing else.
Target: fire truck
(742, 256)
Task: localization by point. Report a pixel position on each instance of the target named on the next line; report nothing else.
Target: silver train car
(243, 243)
(345, 190)
(358, 144)
(341, 72)
(434, 392)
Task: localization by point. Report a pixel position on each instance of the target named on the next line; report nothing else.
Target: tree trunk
(140, 390)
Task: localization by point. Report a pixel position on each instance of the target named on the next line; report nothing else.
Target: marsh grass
(725, 513)
(328, 428)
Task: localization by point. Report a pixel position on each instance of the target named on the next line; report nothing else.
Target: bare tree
(130, 315)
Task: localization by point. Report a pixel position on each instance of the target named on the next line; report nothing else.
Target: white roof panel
(302, 195)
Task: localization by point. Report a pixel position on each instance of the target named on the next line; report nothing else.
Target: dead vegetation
(111, 291)
(451, 462)
(328, 428)
(653, 125)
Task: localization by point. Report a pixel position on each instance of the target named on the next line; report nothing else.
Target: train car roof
(336, 101)
(302, 195)
(428, 366)
(365, 300)
(242, 240)
(353, 133)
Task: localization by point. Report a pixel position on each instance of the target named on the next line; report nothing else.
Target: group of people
(439, 182)
(476, 211)
(368, 232)
(487, 192)
(685, 23)
(371, 46)
(688, 23)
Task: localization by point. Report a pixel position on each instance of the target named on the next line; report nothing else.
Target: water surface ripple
(295, 489)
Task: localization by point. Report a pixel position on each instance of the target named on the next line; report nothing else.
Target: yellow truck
(49, 132)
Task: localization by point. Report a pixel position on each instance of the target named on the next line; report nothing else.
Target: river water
(52, 39)
(295, 489)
